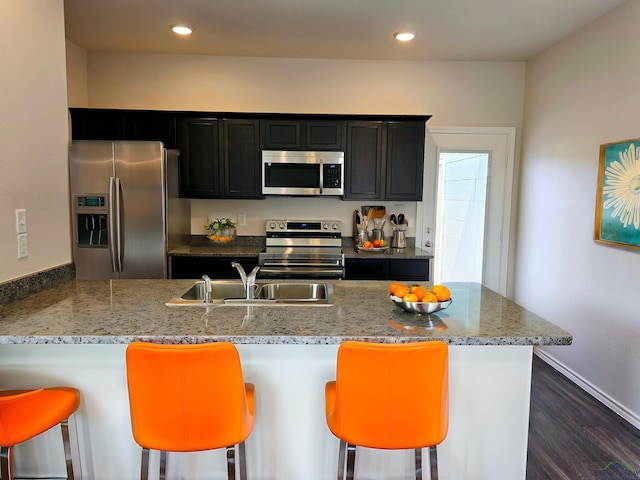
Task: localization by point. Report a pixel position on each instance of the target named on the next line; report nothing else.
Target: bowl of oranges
(420, 299)
(373, 246)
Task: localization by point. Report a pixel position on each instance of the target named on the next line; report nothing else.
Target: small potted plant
(221, 230)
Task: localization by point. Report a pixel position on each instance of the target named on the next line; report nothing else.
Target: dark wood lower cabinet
(387, 269)
(215, 267)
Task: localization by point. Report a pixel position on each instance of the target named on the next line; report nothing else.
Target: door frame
(502, 170)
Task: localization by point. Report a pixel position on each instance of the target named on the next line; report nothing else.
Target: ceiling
(451, 30)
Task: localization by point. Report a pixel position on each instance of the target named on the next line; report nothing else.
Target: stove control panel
(308, 226)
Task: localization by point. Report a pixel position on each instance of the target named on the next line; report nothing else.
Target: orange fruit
(410, 297)
(376, 243)
(419, 291)
(393, 286)
(367, 244)
(429, 298)
(441, 292)
(401, 291)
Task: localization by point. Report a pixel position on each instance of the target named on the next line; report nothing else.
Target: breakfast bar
(76, 334)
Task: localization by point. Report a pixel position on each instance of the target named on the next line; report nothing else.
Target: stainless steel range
(302, 249)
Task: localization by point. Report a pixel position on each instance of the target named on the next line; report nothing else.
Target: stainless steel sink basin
(294, 292)
(232, 293)
(219, 291)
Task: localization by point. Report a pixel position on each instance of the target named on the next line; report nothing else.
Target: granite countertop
(249, 247)
(121, 311)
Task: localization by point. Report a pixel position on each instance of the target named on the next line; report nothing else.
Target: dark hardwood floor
(573, 436)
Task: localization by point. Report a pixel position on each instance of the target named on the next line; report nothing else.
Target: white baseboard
(599, 395)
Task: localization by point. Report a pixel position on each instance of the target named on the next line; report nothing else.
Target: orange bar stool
(25, 414)
(389, 396)
(188, 398)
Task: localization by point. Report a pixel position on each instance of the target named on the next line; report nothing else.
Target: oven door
(301, 263)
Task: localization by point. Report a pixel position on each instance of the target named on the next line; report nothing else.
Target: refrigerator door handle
(113, 227)
(119, 219)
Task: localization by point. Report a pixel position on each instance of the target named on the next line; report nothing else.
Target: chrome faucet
(248, 281)
(207, 288)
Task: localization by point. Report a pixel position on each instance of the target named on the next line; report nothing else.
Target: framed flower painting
(618, 194)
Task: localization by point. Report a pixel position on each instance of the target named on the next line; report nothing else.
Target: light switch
(23, 247)
(21, 221)
(242, 219)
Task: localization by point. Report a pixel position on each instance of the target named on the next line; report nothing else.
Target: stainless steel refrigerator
(126, 208)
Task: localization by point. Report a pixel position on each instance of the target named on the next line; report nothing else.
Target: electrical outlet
(21, 221)
(23, 247)
(242, 219)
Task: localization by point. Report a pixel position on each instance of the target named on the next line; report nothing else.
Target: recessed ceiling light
(404, 36)
(181, 29)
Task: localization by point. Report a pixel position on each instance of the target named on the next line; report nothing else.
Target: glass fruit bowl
(420, 307)
(225, 235)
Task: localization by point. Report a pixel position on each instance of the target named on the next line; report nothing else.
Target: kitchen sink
(294, 292)
(232, 293)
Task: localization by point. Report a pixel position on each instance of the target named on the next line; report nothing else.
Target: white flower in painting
(622, 187)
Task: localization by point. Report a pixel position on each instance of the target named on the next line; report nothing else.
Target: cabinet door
(324, 135)
(89, 124)
(363, 158)
(215, 267)
(404, 160)
(366, 269)
(199, 159)
(282, 135)
(241, 164)
(159, 126)
(409, 269)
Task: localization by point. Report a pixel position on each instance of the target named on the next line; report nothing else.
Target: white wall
(33, 135)
(455, 93)
(581, 93)
(77, 86)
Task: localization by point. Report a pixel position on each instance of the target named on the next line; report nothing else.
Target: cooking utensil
(401, 219)
(392, 219)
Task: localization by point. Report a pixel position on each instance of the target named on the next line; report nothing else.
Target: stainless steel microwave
(302, 173)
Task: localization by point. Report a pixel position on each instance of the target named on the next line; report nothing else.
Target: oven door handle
(302, 272)
(290, 263)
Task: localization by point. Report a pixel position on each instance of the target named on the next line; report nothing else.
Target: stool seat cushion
(389, 396)
(188, 397)
(27, 413)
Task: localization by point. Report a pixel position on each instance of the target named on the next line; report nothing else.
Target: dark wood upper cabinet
(384, 155)
(241, 159)
(282, 135)
(298, 134)
(96, 124)
(200, 172)
(159, 126)
(89, 124)
(324, 135)
(384, 160)
(364, 160)
(405, 160)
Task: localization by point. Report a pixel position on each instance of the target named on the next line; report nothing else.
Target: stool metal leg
(163, 465)
(5, 463)
(144, 464)
(243, 461)
(341, 454)
(64, 427)
(231, 462)
(351, 460)
(433, 462)
(418, 463)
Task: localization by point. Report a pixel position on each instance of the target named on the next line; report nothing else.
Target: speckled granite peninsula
(121, 311)
(76, 334)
